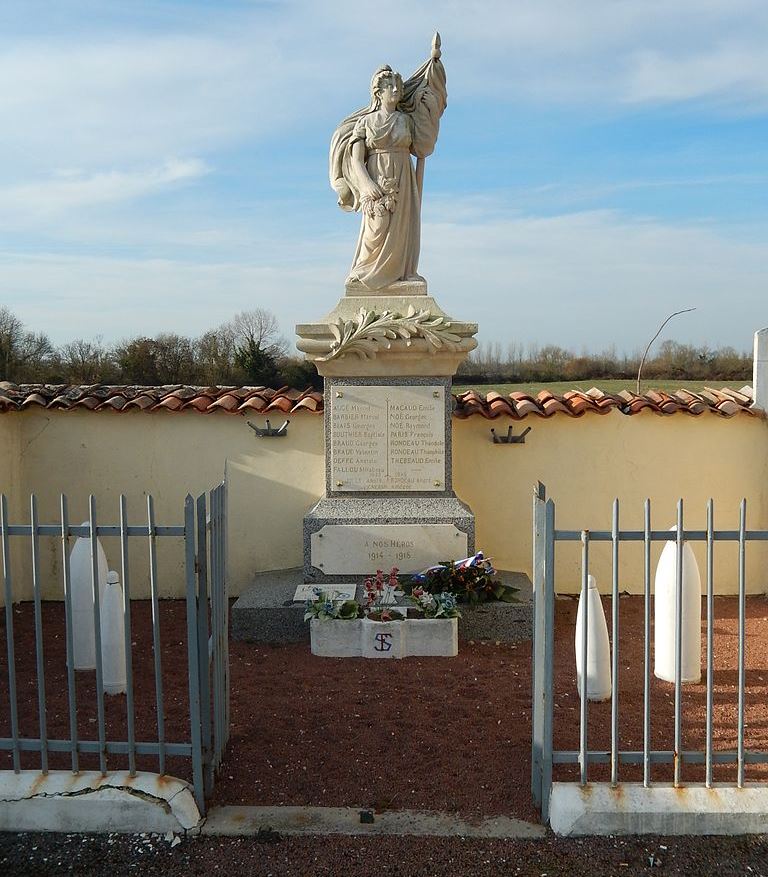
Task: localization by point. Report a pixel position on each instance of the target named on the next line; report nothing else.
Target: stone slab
(266, 612)
(361, 549)
(249, 820)
(91, 802)
(387, 437)
(629, 808)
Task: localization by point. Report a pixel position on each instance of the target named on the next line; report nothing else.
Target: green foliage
(257, 365)
(324, 607)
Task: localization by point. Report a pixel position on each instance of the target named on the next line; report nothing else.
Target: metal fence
(544, 756)
(203, 536)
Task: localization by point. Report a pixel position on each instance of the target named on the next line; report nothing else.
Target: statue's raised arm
(371, 169)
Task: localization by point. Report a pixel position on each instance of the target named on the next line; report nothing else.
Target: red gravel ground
(336, 856)
(430, 733)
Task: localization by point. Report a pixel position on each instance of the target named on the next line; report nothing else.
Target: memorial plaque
(387, 438)
(361, 549)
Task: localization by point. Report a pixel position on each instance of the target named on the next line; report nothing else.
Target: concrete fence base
(629, 808)
(90, 802)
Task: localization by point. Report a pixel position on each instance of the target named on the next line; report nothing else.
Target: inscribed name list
(388, 438)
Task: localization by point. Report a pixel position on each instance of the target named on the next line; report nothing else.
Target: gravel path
(148, 855)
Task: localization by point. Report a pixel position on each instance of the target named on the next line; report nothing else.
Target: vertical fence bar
(583, 754)
(153, 586)
(225, 604)
(9, 643)
(647, 643)
(742, 641)
(220, 626)
(202, 637)
(549, 657)
(39, 655)
(538, 680)
(129, 701)
(193, 665)
(678, 754)
(710, 639)
(95, 587)
(71, 682)
(615, 644)
(215, 626)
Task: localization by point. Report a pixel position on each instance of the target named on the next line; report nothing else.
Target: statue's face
(390, 92)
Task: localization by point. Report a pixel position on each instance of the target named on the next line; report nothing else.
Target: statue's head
(385, 79)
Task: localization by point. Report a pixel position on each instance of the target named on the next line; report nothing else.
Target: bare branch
(645, 354)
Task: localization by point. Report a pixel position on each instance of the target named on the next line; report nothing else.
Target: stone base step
(266, 612)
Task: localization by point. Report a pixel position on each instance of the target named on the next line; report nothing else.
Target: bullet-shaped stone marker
(81, 583)
(598, 646)
(112, 638)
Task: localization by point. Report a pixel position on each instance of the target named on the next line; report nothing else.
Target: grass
(607, 386)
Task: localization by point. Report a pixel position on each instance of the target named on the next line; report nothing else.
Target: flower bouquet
(470, 580)
(380, 599)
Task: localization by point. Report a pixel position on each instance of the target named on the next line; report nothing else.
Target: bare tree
(215, 356)
(258, 329)
(24, 355)
(174, 359)
(86, 362)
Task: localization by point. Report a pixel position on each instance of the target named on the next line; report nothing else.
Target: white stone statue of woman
(371, 170)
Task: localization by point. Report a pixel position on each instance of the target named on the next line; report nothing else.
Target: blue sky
(601, 163)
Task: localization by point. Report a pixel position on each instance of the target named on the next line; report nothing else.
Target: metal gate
(543, 754)
(207, 612)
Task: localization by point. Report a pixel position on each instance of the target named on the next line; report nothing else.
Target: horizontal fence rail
(202, 543)
(546, 537)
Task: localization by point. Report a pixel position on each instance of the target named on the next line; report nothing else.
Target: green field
(607, 386)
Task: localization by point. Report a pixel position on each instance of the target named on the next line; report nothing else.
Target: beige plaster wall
(584, 464)
(10, 484)
(273, 483)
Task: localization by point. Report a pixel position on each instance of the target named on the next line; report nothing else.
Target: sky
(601, 163)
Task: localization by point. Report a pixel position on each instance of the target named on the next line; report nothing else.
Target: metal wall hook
(510, 439)
(269, 432)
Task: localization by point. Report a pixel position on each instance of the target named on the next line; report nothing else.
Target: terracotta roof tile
(200, 403)
(228, 402)
(142, 401)
(254, 403)
(248, 400)
(171, 403)
(576, 403)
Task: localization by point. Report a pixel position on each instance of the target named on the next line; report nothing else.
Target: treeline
(245, 351)
(248, 350)
(514, 364)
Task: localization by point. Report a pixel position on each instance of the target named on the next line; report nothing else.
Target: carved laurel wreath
(368, 332)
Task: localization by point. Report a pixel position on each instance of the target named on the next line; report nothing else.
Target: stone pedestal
(387, 360)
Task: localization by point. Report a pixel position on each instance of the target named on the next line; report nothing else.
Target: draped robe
(390, 233)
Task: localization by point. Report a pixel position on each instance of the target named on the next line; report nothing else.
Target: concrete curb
(630, 808)
(90, 802)
(346, 820)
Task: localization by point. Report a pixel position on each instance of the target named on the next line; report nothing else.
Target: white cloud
(116, 96)
(71, 189)
(590, 279)
(734, 71)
